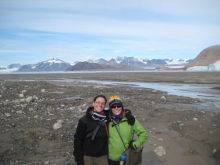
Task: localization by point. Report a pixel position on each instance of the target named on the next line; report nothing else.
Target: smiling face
(99, 104)
(116, 109)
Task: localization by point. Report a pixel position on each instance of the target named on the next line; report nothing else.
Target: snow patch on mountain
(48, 65)
(212, 67)
(3, 71)
(172, 61)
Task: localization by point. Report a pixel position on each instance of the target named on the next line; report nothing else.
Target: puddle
(72, 98)
(57, 92)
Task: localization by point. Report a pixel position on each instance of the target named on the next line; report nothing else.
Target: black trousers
(111, 162)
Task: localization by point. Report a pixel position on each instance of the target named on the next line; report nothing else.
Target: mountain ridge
(48, 65)
(119, 63)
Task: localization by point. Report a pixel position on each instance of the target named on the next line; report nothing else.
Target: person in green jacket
(118, 119)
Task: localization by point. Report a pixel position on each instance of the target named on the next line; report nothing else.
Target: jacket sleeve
(140, 132)
(78, 141)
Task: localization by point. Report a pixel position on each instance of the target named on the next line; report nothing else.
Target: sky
(32, 31)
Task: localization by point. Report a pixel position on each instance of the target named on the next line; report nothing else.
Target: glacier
(212, 67)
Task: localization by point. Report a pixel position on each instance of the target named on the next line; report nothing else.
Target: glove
(131, 146)
(80, 163)
(130, 117)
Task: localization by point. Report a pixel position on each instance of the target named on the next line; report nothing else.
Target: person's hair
(102, 96)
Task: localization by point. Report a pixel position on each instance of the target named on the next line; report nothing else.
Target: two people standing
(96, 139)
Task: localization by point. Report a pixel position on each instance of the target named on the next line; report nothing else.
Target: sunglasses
(118, 106)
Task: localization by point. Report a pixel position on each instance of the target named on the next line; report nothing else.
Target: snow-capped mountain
(49, 65)
(101, 61)
(59, 65)
(132, 61)
(9, 69)
(14, 66)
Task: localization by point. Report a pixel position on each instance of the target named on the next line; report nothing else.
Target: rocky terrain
(37, 119)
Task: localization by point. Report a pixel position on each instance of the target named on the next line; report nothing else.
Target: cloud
(70, 28)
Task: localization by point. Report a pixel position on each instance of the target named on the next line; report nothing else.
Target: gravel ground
(187, 130)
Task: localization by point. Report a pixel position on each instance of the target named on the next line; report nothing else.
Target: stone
(43, 90)
(195, 119)
(29, 99)
(7, 114)
(163, 98)
(21, 95)
(160, 151)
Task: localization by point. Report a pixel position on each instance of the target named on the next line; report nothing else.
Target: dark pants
(111, 162)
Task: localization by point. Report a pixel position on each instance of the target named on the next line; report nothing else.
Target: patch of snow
(215, 66)
(172, 61)
(54, 61)
(8, 70)
(212, 67)
(3, 67)
(176, 66)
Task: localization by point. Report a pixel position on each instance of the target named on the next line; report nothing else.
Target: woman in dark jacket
(91, 138)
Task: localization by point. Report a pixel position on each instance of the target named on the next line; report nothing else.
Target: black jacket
(83, 143)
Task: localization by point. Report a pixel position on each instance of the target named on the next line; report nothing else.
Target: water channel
(204, 92)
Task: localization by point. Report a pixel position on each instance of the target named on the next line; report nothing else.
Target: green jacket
(115, 145)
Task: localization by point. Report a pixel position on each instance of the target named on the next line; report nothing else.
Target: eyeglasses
(118, 106)
(100, 103)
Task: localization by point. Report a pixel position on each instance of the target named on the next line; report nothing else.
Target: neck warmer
(116, 116)
(98, 116)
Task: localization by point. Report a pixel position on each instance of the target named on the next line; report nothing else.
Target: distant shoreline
(165, 77)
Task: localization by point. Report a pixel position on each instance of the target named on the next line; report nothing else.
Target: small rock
(43, 90)
(214, 151)
(24, 91)
(16, 101)
(60, 121)
(160, 151)
(57, 126)
(35, 116)
(195, 119)
(7, 114)
(22, 100)
(160, 139)
(163, 98)
(21, 95)
(29, 99)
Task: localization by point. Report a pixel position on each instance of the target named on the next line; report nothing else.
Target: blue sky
(78, 30)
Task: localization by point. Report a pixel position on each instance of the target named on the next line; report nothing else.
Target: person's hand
(80, 163)
(131, 145)
(130, 117)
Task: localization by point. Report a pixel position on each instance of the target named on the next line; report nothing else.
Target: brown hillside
(208, 56)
